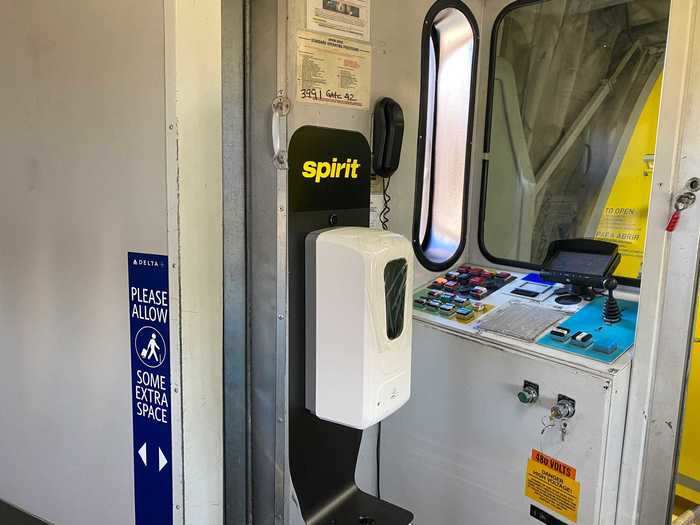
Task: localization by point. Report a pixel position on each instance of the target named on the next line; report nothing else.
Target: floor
(9, 515)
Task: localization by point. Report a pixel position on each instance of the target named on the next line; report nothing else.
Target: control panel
(527, 308)
(460, 294)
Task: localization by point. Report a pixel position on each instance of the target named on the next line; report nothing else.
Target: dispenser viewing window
(358, 334)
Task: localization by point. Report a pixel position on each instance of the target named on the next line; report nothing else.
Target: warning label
(553, 485)
(554, 464)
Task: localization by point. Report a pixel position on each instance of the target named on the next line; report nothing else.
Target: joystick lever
(611, 310)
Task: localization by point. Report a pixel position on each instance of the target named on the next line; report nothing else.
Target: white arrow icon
(143, 452)
(161, 460)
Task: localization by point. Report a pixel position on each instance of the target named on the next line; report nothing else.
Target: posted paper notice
(333, 71)
(346, 18)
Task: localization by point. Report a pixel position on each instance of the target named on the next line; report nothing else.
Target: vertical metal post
(236, 362)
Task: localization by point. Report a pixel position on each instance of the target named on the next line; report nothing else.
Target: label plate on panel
(149, 316)
(544, 517)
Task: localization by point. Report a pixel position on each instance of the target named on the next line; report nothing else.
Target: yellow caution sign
(554, 488)
(624, 219)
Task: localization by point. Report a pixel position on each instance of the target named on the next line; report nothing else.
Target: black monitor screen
(577, 262)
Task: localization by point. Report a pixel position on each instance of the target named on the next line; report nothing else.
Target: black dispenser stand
(323, 455)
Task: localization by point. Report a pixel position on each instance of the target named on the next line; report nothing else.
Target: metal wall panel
(267, 284)
(236, 360)
(200, 213)
(83, 181)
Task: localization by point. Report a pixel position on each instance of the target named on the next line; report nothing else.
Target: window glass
(571, 133)
(447, 98)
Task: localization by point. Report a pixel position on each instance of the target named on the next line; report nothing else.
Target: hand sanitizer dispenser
(359, 285)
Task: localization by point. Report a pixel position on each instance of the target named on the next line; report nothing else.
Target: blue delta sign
(149, 314)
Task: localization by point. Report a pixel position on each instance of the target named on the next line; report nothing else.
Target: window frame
(426, 42)
(626, 281)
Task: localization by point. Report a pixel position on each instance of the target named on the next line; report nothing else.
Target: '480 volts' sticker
(552, 484)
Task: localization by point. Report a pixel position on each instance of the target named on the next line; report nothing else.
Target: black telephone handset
(387, 137)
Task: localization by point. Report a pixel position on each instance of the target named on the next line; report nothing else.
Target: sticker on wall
(552, 484)
(345, 18)
(333, 71)
(149, 316)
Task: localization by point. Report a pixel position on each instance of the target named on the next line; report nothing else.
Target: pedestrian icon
(150, 347)
(151, 351)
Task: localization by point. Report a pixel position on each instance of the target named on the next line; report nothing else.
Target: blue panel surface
(149, 314)
(609, 341)
(536, 278)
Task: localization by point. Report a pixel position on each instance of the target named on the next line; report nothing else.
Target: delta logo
(331, 170)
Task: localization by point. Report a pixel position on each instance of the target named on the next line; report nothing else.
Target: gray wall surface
(83, 181)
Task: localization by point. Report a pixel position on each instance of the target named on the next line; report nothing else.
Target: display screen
(537, 288)
(577, 262)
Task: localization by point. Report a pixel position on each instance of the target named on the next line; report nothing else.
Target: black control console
(585, 263)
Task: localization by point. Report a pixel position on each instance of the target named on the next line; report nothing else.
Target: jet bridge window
(449, 55)
(571, 127)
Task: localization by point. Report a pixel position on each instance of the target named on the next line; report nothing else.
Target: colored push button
(465, 314)
(434, 305)
(501, 279)
(420, 303)
(478, 292)
(460, 300)
(452, 275)
(438, 283)
(447, 297)
(605, 346)
(582, 339)
(451, 285)
(434, 293)
(488, 275)
(464, 277)
(476, 281)
(447, 310)
(560, 334)
(479, 307)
